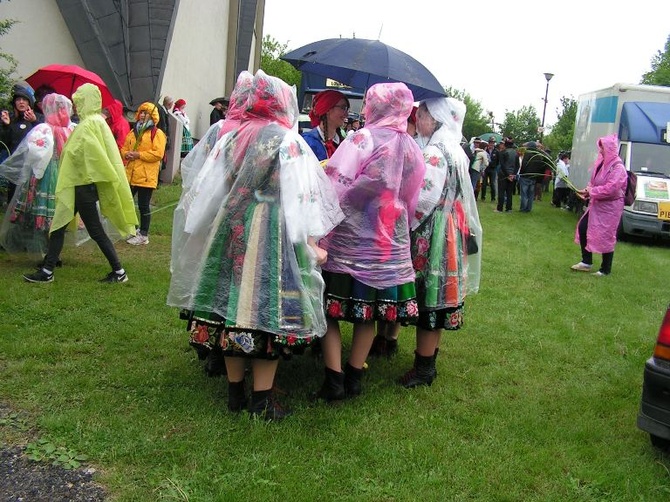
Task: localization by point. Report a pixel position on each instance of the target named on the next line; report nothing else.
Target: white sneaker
(138, 240)
(598, 274)
(137, 232)
(581, 267)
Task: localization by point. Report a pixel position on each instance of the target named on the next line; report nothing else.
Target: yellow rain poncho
(91, 155)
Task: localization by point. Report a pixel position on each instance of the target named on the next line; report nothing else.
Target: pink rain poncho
(377, 173)
(606, 193)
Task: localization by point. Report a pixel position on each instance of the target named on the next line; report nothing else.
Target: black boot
(352, 380)
(237, 396)
(214, 364)
(265, 406)
(391, 347)
(383, 347)
(333, 386)
(378, 348)
(423, 372)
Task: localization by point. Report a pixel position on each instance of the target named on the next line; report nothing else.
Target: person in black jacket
(219, 111)
(489, 174)
(532, 172)
(15, 126)
(509, 165)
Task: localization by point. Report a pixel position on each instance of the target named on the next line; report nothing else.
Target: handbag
(471, 244)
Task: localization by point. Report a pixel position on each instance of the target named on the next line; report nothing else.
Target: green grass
(536, 398)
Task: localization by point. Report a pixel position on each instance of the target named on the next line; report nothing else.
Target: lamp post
(547, 76)
(493, 125)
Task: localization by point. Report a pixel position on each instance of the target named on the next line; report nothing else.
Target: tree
(475, 122)
(271, 51)
(7, 65)
(521, 125)
(560, 137)
(660, 68)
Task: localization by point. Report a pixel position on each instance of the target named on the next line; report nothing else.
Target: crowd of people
(280, 237)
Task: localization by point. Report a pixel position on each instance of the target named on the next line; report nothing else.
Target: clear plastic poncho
(243, 251)
(448, 190)
(377, 172)
(33, 167)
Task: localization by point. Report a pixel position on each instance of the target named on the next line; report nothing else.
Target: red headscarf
(322, 103)
(179, 104)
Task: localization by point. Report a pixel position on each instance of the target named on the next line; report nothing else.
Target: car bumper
(644, 224)
(654, 415)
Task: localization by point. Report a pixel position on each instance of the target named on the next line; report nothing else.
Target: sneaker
(40, 276)
(598, 274)
(138, 240)
(581, 267)
(114, 277)
(497, 211)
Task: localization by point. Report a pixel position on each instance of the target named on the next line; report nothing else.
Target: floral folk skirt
(348, 299)
(208, 330)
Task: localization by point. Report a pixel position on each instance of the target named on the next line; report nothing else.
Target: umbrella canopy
(495, 135)
(361, 63)
(65, 79)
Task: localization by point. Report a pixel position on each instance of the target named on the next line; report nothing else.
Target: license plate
(664, 211)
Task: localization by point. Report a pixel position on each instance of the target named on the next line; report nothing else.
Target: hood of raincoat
(272, 100)
(151, 109)
(388, 105)
(88, 100)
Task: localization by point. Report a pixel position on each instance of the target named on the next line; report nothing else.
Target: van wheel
(659, 442)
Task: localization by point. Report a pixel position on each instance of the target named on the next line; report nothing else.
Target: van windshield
(650, 158)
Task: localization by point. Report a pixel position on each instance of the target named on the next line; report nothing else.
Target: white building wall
(195, 69)
(40, 37)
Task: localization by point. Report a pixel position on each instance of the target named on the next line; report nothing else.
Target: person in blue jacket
(329, 114)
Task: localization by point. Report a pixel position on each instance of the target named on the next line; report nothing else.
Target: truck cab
(645, 149)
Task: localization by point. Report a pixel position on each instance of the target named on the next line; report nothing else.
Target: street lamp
(548, 76)
(493, 126)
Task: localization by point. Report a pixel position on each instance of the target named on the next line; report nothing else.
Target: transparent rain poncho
(243, 251)
(33, 167)
(446, 215)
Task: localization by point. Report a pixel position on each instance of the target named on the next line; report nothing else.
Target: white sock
(48, 272)
(120, 271)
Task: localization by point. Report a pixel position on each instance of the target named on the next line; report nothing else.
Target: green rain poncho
(91, 155)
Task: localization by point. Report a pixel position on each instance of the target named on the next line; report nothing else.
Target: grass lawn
(536, 398)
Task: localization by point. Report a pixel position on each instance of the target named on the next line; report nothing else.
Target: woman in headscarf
(249, 256)
(377, 173)
(596, 230)
(35, 169)
(179, 111)
(197, 168)
(143, 151)
(329, 113)
(446, 234)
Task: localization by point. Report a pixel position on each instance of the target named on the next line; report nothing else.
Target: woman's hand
(583, 194)
(132, 155)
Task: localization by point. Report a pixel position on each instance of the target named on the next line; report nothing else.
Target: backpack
(631, 188)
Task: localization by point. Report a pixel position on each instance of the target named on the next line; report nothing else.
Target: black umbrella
(361, 63)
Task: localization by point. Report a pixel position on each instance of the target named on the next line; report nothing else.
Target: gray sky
(497, 52)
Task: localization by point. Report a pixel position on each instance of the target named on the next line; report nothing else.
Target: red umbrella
(65, 79)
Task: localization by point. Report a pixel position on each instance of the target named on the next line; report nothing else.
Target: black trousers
(587, 256)
(85, 203)
(505, 192)
(144, 205)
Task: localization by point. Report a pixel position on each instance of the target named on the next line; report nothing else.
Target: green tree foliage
(271, 51)
(7, 65)
(560, 137)
(521, 125)
(660, 68)
(476, 121)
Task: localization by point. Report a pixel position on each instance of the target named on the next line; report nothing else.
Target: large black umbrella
(361, 63)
